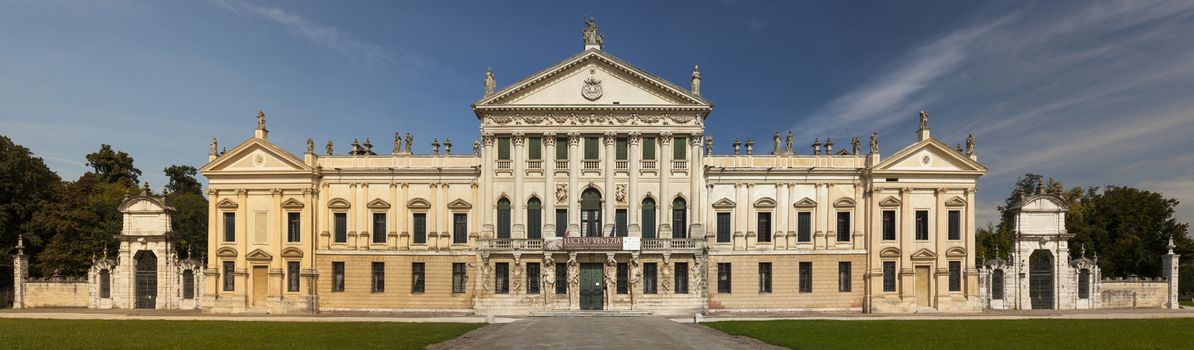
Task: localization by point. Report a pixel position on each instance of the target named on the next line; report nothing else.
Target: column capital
(696, 139)
(665, 138)
(609, 138)
(549, 139)
(519, 138)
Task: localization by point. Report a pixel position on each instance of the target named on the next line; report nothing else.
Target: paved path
(650, 333)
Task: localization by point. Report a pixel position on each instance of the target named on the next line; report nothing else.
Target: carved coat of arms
(592, 89)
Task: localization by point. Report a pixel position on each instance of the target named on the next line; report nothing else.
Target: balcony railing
(647, 164)
(591, 165)
(503, 165)
(621, 164)
(535, 164)
(679, 164)
(670, 244)
(510, 244)
(562, 164)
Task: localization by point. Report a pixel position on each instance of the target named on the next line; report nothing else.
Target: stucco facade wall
(785, 295)
(1127, 294)
(55, 294)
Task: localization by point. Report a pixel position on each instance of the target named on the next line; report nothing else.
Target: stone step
(591, 313)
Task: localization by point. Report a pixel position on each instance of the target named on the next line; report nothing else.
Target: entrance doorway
(260, 283)
(924, 293)
(146, 280)
(1040, 279)
(591, 286)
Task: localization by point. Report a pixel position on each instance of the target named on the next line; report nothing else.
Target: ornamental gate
(1040, 279)
(146, 280)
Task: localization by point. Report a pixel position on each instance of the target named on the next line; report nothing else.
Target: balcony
(671, 244)
(647, 244)
(561, 165)
(510, 244)
(680, 164)
(621, 164)
(647, 164)
(535, 164)
(503, 164)
(594, 165)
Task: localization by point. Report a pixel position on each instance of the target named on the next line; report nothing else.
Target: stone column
(781, 226)
(633, 157)
(487, 201)
(549, 183)
(821, 228)
(938, 235)
(696, 175)
(517, 204)
(324, 227)
(608, 200)
(738, 218)
(395, 218)
(573, 188)
(20, 271)
(751, 220)
(403, 228)
(906, 234)
(364, 217)
(968, 238)
(665, 171)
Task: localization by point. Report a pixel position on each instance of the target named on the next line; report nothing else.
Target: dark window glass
(337, 276)
(503, 148)
(623, 276)
(889, 225)
(620, 228)
(648, 148)
(922, 225)
(723, 277)
(843, 276)
(649, 218)
(561, 222)
(534, 219)
(379, 227)
(680, 147)
(188, 285)
(106, 284)
(534, 148)
(293, 226)
(650, 280)
(341, 227)
(501, 278)
(292, 276)
(997, 284)
(955, 224)
(1083, 284)
(561, 148)
(804, 226)
(229, 276)
(806, 277)
(420, 224)
(723, 227)
(621, 148)
(764, 227)
(459, 277)
(843, 226)
(229, 227)
(889, 276)
(532, 278)
(503, 218)
(681, 276)
(418, 277)
(590, 213)
(561, 278)
(592, 145)
(955, 276)
(764, 277)
(379, 277)
(679, 219)
(460, 228)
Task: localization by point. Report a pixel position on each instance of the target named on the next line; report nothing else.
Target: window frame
(338, 277)
(229, 276)
(532, 278)
(889, 276)
(460, 228)
(805, 276)
(622, 277)
(561, 277)
(921, 219)
(954, 225)
(230, 227)
(340, 227)
(804, 226)
(294, 227)
(293, 283)
(418, 277)
(764, 277)
(384, 226)
(501, 278)
(844, 270)
(725, 278)
(650, 278)
(534, 215)
(680, 276)
(418, 228)
(377, 277)
(955, 276)
(844, 227)
(459, 277)
(889, 225)
(763, 226)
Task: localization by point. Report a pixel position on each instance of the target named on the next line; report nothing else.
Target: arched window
(590, 213)
(997, 284)
(188, 284)
(105, 281)
(648, 218)
(679, 219)
(503, 218)
(1084, 284)
(534, 219)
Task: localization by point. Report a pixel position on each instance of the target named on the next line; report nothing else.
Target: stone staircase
(591, 313)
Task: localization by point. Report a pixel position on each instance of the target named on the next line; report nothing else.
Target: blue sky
(1092, 93)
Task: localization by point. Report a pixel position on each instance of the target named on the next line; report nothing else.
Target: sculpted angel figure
(329, 147)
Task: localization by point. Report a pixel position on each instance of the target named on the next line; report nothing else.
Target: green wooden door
(591, 287)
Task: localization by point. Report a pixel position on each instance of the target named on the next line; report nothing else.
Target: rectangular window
(337, 276)
(889, 225)
(889, 276)
(650, 280)
(420, 223)
(188, 285)
(955, 276)
(379, 227)
(648, 148)
(1084, 284)
(229, 227)
(459, 277)
(620, 227)
(534, 148)
(532, 278)
(292, 276)
(764, 277)
(503, 148)
(460, 228)
(723, 277)
(418, 277)
(561, 222)
(106, 284)
(535, 222)
(592, 148)
(806, 277)
(293, 226)
(804, 226)
(621, 149)
(679, 148)
(764, 227)
(561, 278)
(922, 225)
(229, 276)
(501, 278)
(723, 227)
(341, 227)
(843, 276)
(997, 284)
(843, 226)
(561, 148)
(623, 276)
(955, 225)
(379, 277)
(681, 276)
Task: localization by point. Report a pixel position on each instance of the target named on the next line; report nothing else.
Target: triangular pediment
(930, 155)
(724, 203)
(890, 201)
(955, 202)
(620, 83)
(226, 204)
(805, 203)
(256, 155)
(258, 254)
(292, 203)
(378, 203)
(923, 254)
(459, 204)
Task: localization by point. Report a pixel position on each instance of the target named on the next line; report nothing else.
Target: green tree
(1129, 228)
(26, 183)
(182, 179)
(190, 210)
(113, 166)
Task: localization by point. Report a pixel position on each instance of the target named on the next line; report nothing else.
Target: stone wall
(55, 292)
(1134, 292)
(785, 295)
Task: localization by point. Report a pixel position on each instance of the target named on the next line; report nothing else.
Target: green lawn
(102, 334)
(1185, 302)
(969, 334)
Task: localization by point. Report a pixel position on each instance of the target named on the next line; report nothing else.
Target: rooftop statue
(397, 144)
(970, 144)
(329, 147)
(788, 143)
(214, 148)
(875, 142)
(696, 80)
(310, 145)
(924, 120)
(775, 144)
(409, 142)
(855, 144)
(591, 34)
(490, 83)
(260, 119)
